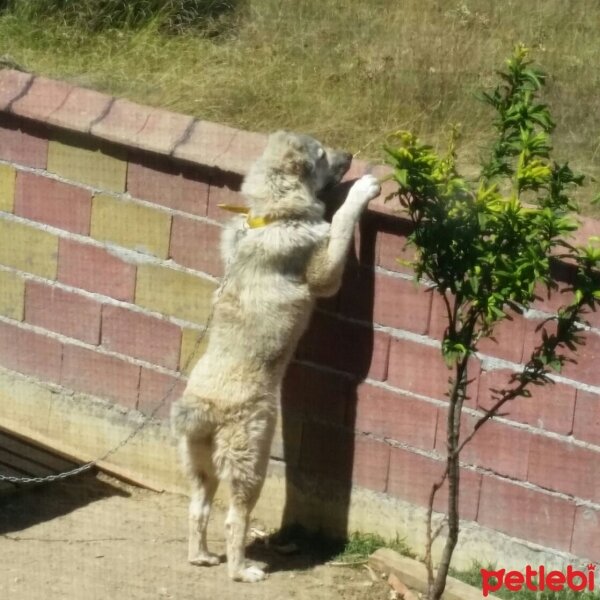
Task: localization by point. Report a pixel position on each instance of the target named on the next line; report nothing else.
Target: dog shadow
(319, 461)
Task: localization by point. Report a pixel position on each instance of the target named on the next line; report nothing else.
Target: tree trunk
(457, 396)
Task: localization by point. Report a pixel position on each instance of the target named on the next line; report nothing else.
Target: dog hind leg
(243, 498)
(200, 504)
(243, 451)
(197, 458)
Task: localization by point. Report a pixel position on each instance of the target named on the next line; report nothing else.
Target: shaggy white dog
(279, 259)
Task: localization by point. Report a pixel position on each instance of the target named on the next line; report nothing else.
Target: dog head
(304, 157)
(286, 180)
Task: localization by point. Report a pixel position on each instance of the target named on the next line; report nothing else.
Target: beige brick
(7, 188)
(12, 294)
(131, 225)
(28, 249)
(87, 165)
(23, 401)
(174, 293)
(189, 340)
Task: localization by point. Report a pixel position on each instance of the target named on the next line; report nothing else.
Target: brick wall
(108, 258)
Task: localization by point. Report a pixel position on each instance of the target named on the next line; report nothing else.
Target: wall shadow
(319, 404)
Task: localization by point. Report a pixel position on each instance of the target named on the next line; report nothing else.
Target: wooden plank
(72, 454)
(414, 574)
(28, 467)
(42, 457)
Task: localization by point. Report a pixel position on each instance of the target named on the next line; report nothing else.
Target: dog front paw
(364, 190)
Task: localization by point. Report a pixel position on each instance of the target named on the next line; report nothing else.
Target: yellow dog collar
(252, 222)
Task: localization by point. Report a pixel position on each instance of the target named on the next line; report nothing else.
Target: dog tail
(192, 419)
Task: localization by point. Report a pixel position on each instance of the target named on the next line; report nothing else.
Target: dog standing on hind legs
(280, 258)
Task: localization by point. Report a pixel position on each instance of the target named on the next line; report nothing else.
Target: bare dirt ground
(94, 537)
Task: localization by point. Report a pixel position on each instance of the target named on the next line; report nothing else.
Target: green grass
(346, 71)
(171, 16)
(361, 545)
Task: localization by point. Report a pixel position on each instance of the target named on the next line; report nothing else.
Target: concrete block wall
(109, 232)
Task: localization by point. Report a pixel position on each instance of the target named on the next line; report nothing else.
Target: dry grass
(347, 71)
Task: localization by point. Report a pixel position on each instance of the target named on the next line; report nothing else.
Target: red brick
(356, 298)
(243, 150)
(337, 454)
(327, 451)
(196, 245)
(470, 489)
(141, 336)
(551, 301)
(507, 339)
(345, 346)
(586, 424)
(224, 190)
(42, 98)
(101, 375)
(330, 304)
(52, 202)
(388, 301)
(533, 335)
(96, 270)
(496, 446)
(588, 227)
(412, 477)
(370, 464)
(159, 181)
(80, 109)
(591, 317)
(215, 145)
(581, 365)
(65, 312)
(30, 353)
(438, 316)
(122, 123)
(158, 388)
(12, 84)
(206, 142)
(26, 146)
(563, 467)
(394, 252)
(162, 131)
(584, 366)
(357, 169)
(549, 407)
(365, 247)
(401, 304)
(526, 513)
(420, 368)
(392, 415)
(586, 541)
(317, 395)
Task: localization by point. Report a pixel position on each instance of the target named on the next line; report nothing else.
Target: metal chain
(87, 466)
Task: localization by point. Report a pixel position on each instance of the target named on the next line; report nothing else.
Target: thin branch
(533, 371)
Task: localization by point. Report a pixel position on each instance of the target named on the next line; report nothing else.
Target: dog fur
(226, 416)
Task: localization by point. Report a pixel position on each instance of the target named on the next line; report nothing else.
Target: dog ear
(289, 154)
(296, 159)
